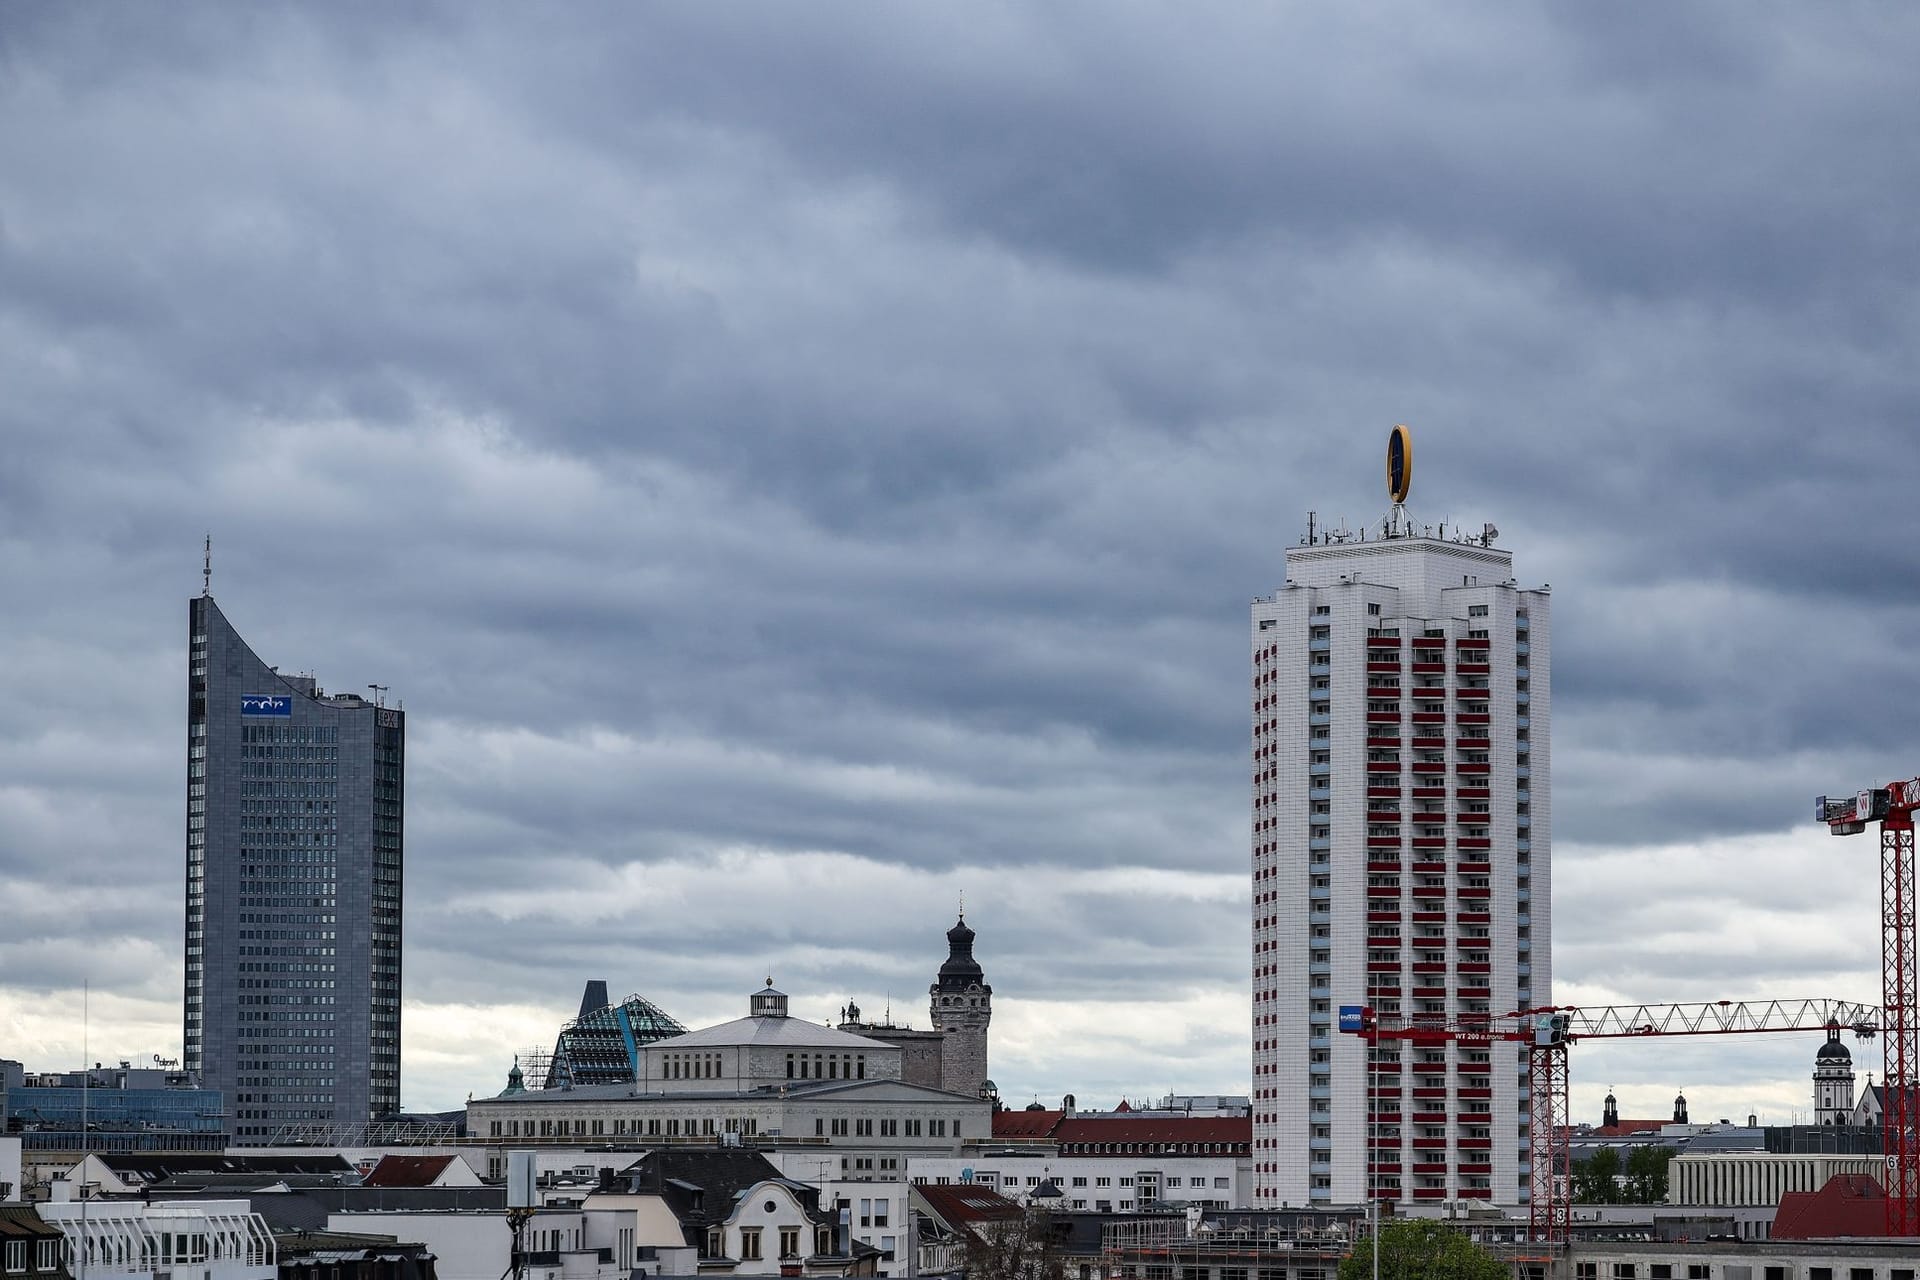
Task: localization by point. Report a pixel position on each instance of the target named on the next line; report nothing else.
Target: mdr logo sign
(267, 704)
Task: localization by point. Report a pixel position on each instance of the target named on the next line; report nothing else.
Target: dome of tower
(1833, 1051)
(960, 937)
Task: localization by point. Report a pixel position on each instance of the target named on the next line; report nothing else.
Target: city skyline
(799, 471)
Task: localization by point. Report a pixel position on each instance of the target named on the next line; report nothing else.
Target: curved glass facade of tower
(293, 894)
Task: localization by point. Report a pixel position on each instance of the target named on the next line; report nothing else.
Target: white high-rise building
(1401, 832)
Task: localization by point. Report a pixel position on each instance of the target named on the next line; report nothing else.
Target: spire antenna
(206, 567)
(963, 904)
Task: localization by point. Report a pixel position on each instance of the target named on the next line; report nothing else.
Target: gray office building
(294, 857)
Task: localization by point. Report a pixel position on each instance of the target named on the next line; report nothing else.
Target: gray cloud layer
(854, 434)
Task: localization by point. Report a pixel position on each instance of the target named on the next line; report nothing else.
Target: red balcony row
(1466, 668)
(1383, 668)
(1470, 717)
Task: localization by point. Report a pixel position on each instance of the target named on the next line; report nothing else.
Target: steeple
(1610, 1114)
(961, 1006)
(1680, 1109)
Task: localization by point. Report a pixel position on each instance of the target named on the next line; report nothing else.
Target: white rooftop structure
(767, 1047)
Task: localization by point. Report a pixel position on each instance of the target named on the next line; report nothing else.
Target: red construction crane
(1547, 1033)
(1893, 808)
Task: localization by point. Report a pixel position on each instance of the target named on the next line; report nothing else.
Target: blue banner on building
(1353, 1017)
(267, 704)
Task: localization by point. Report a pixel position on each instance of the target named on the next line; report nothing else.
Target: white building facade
(1402, 816)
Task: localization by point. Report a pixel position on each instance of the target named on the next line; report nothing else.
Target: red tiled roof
(1234, 1129)
(966, 1203)
(408, 1171)
(1850, 1204)
(1025, 1124)
(1625, 1128)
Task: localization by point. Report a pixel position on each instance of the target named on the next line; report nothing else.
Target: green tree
(1595, 1179)
(1422, 1249)
(1647, 1174)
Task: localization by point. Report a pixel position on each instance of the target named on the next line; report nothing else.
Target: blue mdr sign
(267, 704)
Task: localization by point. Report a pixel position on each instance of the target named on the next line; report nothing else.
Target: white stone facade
(1402, 817)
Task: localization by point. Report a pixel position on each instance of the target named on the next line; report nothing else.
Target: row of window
(46, 1255)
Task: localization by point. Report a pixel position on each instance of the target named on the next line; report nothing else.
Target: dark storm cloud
(851, 437)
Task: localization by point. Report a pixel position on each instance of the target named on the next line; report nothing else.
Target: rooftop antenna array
(206, 567)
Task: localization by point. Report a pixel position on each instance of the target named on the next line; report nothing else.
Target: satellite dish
(1399, 463)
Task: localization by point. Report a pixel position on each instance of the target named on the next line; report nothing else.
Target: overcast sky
(800, 463)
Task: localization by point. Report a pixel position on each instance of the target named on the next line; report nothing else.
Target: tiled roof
(1163, 1129)
(1025, 1124)
(1850, 1204)
(1622, 1128)
(408, 1171)
(965, 1203)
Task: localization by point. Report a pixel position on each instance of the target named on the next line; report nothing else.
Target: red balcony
(1475, 1093)
(1476, 667)
(1383, 966)
(1388, 766)
(1470, 717)
(1473, 966)
(1383, 815)
(1429, 993)
(1384, 1168)
(1430, 692)
(1430, 717)
(1430, 1193)
(1383, 944)
(1475, 866)
(1375, 740)
(1383, 842)
(1429, 793)
(1383, 691)
(1428, 867)
(1381, 866)
(1430, 917)
(1472, 793)
(1428, 1168)
(1473, 891)
(1383, 717)
(1476, 993)
(1429, 966)
(1469, 766)
(1429, 668)
(1476, 1193)
(1432, 744)
(1382, 668)
(1429, 1093)
(1383, 642)
(1475, 695)
(1469, 917)
(1384, 1090)
(1475, 1144)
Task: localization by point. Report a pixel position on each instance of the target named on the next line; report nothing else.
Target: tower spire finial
(206, 567)
(963, 904)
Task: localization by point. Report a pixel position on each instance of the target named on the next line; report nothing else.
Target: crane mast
(1893, 808)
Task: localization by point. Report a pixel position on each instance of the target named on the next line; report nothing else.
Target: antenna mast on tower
(206, 568)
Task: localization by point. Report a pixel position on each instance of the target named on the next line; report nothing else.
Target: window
(1080, 1182)
(1859, 1273)
(49, 1255)
(1585, 1270)
(789, 1242)
(1775, 1273)
(750, 1244)
(1373, 610)
(1623, 1271)
(16, 1255)
(716, 1243)
(1660, 1270)
(1476, 611)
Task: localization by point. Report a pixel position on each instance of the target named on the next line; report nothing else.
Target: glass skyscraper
(294, 858)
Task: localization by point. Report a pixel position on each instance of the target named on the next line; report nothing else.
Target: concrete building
(1400, 850)
(294, 856)
(767, 1081)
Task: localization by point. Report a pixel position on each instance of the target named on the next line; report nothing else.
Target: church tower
(1833, 1081)
(961, 1007)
